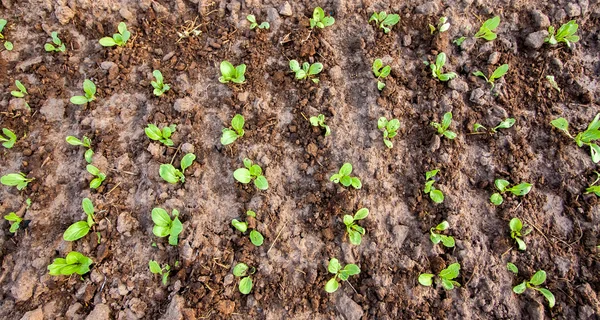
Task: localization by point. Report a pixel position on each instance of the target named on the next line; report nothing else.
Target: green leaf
(328, 21)
(13, 179)
(14, 227)
(447, 120)
(391, 20)
(242, 175)
(354, 237)
(89, 153)
(447, 284)
(187, 161)
(447, 241)
(88, 206)
(595, 152)
(160, 217)
(229, 136)
(255, 170)
(153, 132)
(426, 279)
(501, 184)
(251, 213)
(377, 64)
(435, 238)
(245, 285)
(440, 60)
(154, 267)
(240, 226)
(437, 196)
(361, 214)
(8, 45)
(518, 289)
(107, 42)
(499, 72)
(73, 141)
(332, 285)
(385, 71)
(3, 23)
(381, 123)
(261, 182)
(512, 268)
(346, 169)
(496, 199)
(256, 238)
(515, 224)
(444, 225)
(294, 65)
(346, 181)
(76, 231)
(348, 220)
(351, 269)
(538, 278)
(334, 266)
(521, 189)
(549, 296)
(560, 123)
(79, 100)
(430, 174)
(176, 228)
(380, 85)
(315, 69)
(169, 173)
(491, 24)
(507, 123)
(451, 272)
(240, 269)
(521, 244)
(13, 217)
(356, 184)
(237, 123)
(227, 70)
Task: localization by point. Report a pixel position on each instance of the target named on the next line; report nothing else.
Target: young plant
(7, 44)
(512, 268)
(504, 124)
(118, 39)
(459, 41)
(230, 135)
(319, 121)
(319, 19)
(593, 188)
(446, 277)
(380, 72)
(343, 177)
(553, 82)
(10, 139)
(442, 26)
(159, 86)
(173, 175)
(255, 237)
(253, 24)
(437, 69)
(164, 135)
(436, 195)
(534, 283)
(90, 90)
(307, 71)
(242, 270)
(342, 274)
(447, 241)
(165, 226)
(389, 128)
(74, 262)
(497, 74)
(502, 185)
(385, 21)
(442, 128)
(164, 271)
(517, 232)
(249, 173)
(58, 46)
(583, 138)
(231, 73)
(81, 228)
(487, 29)
(85, 142)
(99, 176)
(18, 180)
(355, 232)
(22, 90)
(566, 34)
(14, 220)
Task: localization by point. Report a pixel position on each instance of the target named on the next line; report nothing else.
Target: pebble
(494, 58)
(286, 9)
(535, 40)
(573, 10)
(187, 148)
(540, 20)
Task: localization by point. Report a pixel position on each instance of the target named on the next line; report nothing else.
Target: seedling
(319, 121)
(18, 180)
(502, 185)
(85, 142)
(436, 195)
(536, 280)
(512, 268)
(249, 173)
(118, 39)
(80, 229)
(164, 271)
(385, 21)
(583, 138)
(89, 88)
(7, 44)
(307, 71)
(230, 135)
(497, 74)
(553, 83)
(164, 135)
(22, 90)
(343, 177)
(504, 124)
(446, 277)
(10, 139)
(99, 176)
(459, 41)
(255, 237)
(253, 24)
(380, 72)
(342, 274)
(355, 232)
(242, 270)
(389, 128)
(438, 67)
(517, 232)
(319, 19)
(566, 34)
(58, 46)
(487, 29)
(159, 86)
(74, 262)
(593, 188)
(165, 226)
(173, 175)
(14, 220)
(442, 26)
(231, 73)
(442, 128)
(447, 241)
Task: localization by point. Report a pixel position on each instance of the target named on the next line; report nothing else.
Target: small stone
(64, 14)
(573, 10)
(174, 310)
(286, 9)
(273, 18)
(348, 308)
(100, 312)
(406, 40)
(127, 15)
(540, 20)
(243, 96)
(106, 65)
(22, 289)
(312, 149)
(458, 84)
(187, 148)
(53, 109)
(228, 280)
(226, 307)
(184, 105)
(477, 96)
(468, 44)
(435, 143)
(126, 223)
(155, 150)
(36, 314)
(494, 58)
(336, 74)
(535, 40)
(427, 8)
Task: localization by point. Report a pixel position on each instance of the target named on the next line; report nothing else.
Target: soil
(300, 215)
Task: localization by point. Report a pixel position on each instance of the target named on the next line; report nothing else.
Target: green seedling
(502, 185)
(553, 83)
(307, 71)
(8, 139)
(230, 135)
(251, 172)
(517, 232)
(446, 277)
(22, 90)
(447, 241)
(385, 21)
(253, 24)
(163, 272)
(504, 124)
(14, 220)
(81, 228)
(58, 46)
(566, 34)
(459, 41)
(7, 44)
(436, 195)
(163, 136)
(442, 128)
(18, 180)
(389, 128)
(159, 86)
(593, 188)
(173, 175)
(497, 74)
(442, 26)
(85, 142)
(534, 283)
(89, 88)
(255, 237)
(319, 121)
(512, 268)
(342, 274)
(319, 19)
(74, 262)
(354, 231)
(438, 68)
(231, 73)
(118, 39)
(99, 176)
(242, 270)
(487, 29)
(343, 177)
(583, 138)
(165, 226)
(380, 72)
